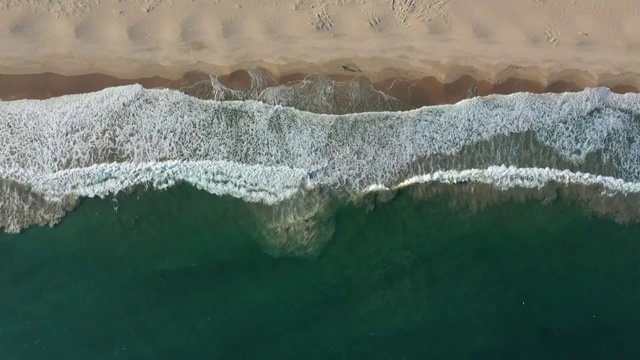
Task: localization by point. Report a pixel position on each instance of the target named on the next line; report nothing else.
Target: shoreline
(430, 89)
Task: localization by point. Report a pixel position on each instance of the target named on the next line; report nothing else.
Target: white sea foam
(254, 183)
(505, 178)
(315, 93)
(100, 143)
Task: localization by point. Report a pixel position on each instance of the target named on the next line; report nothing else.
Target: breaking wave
(58, 150)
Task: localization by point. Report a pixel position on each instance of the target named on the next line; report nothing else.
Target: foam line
(253, 183)
(505, 178)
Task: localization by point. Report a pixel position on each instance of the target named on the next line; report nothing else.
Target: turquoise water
(180, 274)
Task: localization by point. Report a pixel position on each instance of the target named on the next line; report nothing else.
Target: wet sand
(425, 91)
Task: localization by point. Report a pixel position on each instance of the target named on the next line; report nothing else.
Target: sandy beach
(319, 179)
(582, 42)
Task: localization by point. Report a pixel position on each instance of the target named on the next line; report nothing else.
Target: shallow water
(181, 274)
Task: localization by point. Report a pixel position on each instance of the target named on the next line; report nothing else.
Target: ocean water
(319, 219)
(179, 274)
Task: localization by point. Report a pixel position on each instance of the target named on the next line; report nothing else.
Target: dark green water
(180, 275)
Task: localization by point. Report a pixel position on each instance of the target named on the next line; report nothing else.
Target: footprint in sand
(552, 33)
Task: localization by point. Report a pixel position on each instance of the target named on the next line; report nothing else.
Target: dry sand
(584, 42)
